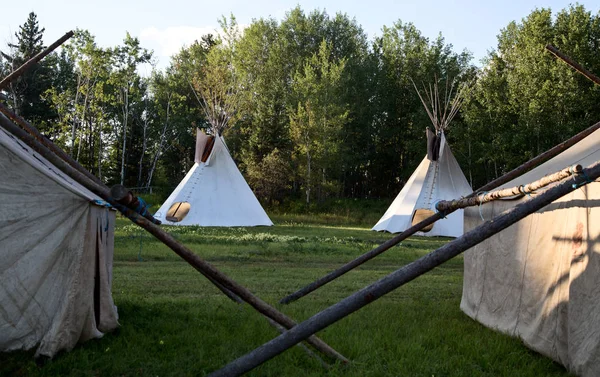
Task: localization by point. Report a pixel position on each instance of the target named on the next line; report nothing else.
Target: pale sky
(165, 26)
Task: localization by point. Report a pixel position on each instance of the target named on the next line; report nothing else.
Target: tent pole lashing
(486, 197)
(404, 275)
(437, 216)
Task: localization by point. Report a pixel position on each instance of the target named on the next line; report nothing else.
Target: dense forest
(316, 109)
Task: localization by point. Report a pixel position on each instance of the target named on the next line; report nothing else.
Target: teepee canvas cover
(56, 249)
(432, 181)
(214, 192)
(539, 279)
(438, 177)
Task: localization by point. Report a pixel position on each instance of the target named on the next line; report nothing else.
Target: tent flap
(56, 251)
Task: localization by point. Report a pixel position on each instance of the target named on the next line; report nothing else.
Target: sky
(167, 25)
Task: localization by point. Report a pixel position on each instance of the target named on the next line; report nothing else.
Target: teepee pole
(437, 216)
(578, 67)
(33, 131)
(27, 65)
(403, 275)
(200, 265)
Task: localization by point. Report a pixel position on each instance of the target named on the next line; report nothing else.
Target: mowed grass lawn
(175, 323)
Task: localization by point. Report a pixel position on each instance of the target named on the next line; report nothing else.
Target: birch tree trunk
(125, 119)
(145, 128)
(160, 143)
(74, 125)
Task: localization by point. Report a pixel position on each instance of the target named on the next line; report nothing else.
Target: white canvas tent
(539, 279)
(56, 249)
(431, 182)
(213, 193)
(438, 176)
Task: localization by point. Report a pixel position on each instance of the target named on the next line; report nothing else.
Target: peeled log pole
(578, 67)
(200, 265)
(33, 131)
(402, 276)
(432, 219)
(22, 69)
(61, 154)
(453, 205)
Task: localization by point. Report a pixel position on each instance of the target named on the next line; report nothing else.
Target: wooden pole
(25, 67)
(437, 216)
(578, 67)
(486, 197)
(310, 352)
(200, 265)
(402, 276)
(33, 131)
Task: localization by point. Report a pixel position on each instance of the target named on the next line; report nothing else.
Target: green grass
(175, 323)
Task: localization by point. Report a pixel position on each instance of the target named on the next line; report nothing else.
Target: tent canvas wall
(432, 181)
(214, 192)
(539, 279)
(56, 248)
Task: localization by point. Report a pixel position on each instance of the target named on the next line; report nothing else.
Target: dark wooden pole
(578, 67)
(200, 265)
(33, 131)
(437, 216)
(22, 69)
(402, 276)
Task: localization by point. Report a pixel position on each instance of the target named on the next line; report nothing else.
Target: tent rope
(585, 182)
(481, 204)
(442, 213)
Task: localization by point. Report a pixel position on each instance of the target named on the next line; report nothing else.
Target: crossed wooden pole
(28, 134)
(304, 331)
(442, 212)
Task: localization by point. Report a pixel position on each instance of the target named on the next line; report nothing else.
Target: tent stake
(25, 67)
(403, 275)
(200, 265)
(437, 216)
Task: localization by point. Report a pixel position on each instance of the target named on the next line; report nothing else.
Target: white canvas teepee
(214, 192)
(56, 249)
(438, 177)
(539, 279)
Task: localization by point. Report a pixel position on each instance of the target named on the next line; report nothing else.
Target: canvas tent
(56, 248)
(539, 279)
(214, 192)
(438, 177)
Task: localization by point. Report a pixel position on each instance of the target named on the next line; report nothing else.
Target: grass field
(175, 323)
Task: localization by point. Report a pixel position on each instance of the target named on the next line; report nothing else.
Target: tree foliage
(311, 107)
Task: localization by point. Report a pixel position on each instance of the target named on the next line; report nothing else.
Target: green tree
(525, 100)
(26, 92)
(398, 130)
(129, 89)
(83, 104)
(317, 120)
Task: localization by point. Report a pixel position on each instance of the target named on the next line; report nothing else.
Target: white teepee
(214, 192)
(438, 177)
(56, 250)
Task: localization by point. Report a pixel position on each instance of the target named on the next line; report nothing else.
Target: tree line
(311, 108)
